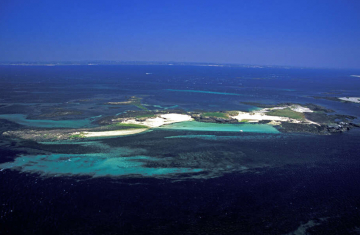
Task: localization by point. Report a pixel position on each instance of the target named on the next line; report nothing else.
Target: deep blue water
(244, 183)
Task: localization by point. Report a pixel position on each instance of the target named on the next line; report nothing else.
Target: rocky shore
(341, 127)
(201, 118)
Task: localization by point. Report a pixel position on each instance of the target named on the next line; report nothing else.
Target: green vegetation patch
(77, 136)
(233, 113)
(215, 114)
(140, 106)
(136, 101)
(133, 100)
(146, 116)
(286, 113)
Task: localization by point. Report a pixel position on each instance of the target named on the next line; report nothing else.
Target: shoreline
(286, 118)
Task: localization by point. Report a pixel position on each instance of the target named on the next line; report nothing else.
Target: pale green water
(162, 107)
(110, 162)
(208, 92)
(254, 109)
(217, 137)
(203, 126)
(21, 119)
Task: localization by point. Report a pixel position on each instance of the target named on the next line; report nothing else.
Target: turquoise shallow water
(110, 162)
(169, 107)
(21, 119)
(203, 126)
(90, 164)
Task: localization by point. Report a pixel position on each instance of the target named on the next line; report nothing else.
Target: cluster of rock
(341, 127)
(39, 135)
(200, 118)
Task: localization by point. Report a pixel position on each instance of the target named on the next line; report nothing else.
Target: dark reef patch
(57, 114)
(6, 125)
(16, 108)
(286, 127)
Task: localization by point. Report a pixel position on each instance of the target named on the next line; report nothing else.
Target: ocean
(184, 178)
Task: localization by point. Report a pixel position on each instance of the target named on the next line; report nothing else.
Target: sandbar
(112, 133)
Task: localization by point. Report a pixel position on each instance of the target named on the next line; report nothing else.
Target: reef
(133, 100)
(58, 113)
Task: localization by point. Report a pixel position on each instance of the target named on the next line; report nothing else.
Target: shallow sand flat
(113, 133)
(162, 120)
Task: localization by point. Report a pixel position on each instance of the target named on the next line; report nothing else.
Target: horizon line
(140, 62)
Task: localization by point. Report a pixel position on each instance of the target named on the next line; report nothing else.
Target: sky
(310, 33)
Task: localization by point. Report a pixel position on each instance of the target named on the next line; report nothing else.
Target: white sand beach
(296, 108)
(260, 115)
(150, 122)
(300, 109)
(113, 133)
(351, 99)
(161, 120)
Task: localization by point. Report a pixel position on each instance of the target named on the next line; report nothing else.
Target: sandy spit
(113, 133)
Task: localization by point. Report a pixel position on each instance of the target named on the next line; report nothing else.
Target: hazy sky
(323, 33)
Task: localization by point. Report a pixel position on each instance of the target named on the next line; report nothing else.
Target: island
(288, 117)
